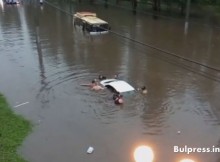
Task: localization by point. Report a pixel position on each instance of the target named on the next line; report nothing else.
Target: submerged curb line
(13, 129)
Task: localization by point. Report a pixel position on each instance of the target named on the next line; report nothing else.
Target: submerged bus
(89, 22)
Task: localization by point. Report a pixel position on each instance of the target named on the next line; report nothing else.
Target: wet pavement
(44, 59)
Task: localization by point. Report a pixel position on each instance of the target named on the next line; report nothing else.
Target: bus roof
(84, 14)
(94, 20)
(90, 17)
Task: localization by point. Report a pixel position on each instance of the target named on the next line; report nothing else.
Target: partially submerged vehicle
(117, 85)
(89, 22)
(11, 1)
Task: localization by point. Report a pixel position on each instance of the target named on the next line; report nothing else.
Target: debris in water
(21, 104)
(90, 150)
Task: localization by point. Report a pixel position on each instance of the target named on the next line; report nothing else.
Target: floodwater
(44, 59)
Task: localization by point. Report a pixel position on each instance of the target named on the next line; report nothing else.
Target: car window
(110, 81)
(111, 88)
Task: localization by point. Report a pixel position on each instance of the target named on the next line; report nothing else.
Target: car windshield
(110, 81)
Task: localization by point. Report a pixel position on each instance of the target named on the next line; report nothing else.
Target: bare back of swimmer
(94, 86)
(97, 88)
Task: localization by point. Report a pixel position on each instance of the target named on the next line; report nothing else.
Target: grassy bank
(13, 129)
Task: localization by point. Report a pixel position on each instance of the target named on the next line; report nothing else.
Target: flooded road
(44, 59)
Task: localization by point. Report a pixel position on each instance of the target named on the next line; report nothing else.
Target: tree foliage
(180, 4)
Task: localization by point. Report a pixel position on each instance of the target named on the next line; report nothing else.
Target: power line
(167, 52)
(162, 16)
(152, 47)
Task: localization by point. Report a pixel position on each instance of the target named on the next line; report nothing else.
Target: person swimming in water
(94, 85)
(144, 90)
(115, 95)
(101, 77)
(116, 76)
(118, 98)
(97, 87)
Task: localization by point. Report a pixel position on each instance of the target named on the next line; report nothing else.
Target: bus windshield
(99, 28)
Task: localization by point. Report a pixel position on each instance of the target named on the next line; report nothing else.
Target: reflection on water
(47, 59)
(143, 154)
(187, 160)
(2, 4)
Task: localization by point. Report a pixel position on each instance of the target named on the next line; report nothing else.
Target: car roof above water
(119, 85)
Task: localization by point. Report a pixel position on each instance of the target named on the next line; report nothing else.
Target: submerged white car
(117, 85)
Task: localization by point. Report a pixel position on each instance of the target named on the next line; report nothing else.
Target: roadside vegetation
(13, 129)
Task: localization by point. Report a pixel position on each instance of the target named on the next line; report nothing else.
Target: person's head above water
(116, 76)
(144, 90)
(93, 81)
(116, 95)
(101, 77)
(119, 100)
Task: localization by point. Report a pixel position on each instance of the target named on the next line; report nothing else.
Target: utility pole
(187, 16)
(106, 3)
(134, 6)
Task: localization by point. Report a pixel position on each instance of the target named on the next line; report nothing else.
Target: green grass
(13, 129)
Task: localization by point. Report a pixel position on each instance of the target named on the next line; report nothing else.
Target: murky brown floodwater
(69, 118)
